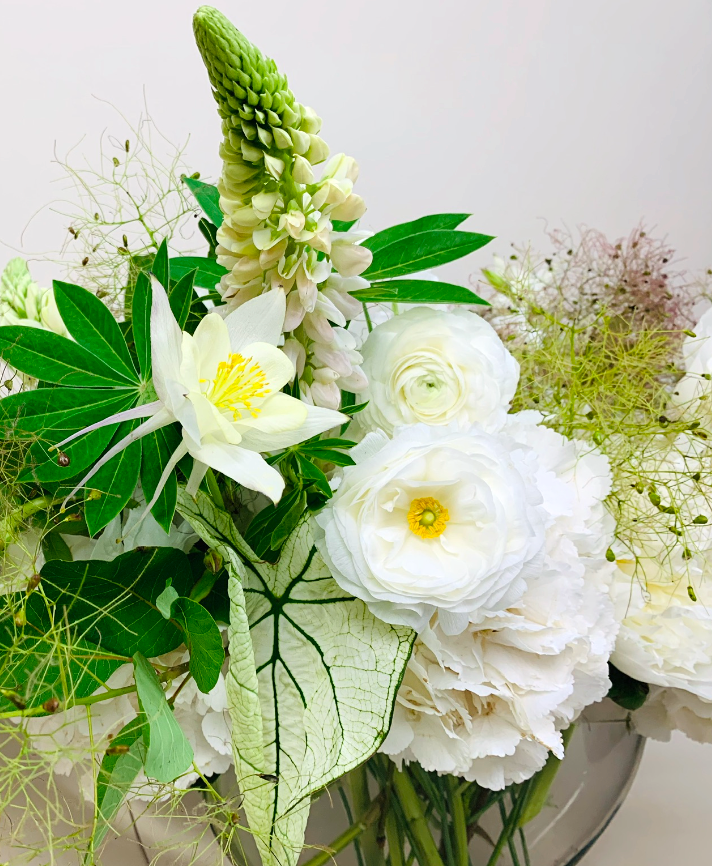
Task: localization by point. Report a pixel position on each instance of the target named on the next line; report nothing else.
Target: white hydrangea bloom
(435, 367)
(23, 302)
(488, 704)
(667, 710)
(663, 593)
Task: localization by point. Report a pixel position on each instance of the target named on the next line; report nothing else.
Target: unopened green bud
(212, 561)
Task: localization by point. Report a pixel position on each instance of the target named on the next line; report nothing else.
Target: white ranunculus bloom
(223, 385)
(443, 520)
(489, 704)
(434, 367)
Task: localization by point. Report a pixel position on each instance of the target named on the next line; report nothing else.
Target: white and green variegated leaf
(312, 681)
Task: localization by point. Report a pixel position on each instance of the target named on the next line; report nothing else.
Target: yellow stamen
(237, 383)
(427, 518)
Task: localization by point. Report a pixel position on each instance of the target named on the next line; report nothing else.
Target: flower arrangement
(296, 509)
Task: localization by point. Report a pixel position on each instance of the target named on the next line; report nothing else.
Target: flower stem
(358, 780)
(364, 824)
(396, 856)
(427, 851)
(459, 823)
(15, 518)
(214, 489)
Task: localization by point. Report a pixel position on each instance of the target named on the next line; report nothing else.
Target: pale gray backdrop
(520, 111)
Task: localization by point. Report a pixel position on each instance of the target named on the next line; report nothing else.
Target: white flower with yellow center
(438, 519)
(222, 384)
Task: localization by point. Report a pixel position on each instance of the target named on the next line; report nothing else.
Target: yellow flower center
(427, 518)
(237, 383)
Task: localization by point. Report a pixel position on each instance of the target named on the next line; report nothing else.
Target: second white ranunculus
(442, 520)
(434, 367)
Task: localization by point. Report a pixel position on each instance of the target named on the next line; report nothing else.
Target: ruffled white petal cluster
(23, 302)
(436, 367)
(510, 597)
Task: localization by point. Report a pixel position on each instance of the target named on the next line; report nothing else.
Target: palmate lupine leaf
(312, 679)
(101, 371)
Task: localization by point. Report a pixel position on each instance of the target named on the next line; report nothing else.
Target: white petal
(280, 413)
(245, 467)
(165, 339)
(276, 366)
(196, 476)
(144, 411)
(212, 341)
(257, 321)
(317, 421)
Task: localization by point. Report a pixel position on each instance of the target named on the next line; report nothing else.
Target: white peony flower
(489, 704)
(435, 367)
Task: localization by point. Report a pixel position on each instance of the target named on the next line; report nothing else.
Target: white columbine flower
(435, 367)
(489, 704)
(222, 384)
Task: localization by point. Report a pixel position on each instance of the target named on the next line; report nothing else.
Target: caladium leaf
(312, 681)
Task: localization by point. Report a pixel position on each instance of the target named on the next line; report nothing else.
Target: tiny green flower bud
(212, 561)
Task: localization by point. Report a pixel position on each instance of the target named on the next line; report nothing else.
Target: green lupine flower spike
(278, 230)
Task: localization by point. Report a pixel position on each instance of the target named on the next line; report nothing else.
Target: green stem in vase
(459, 823)
(350, 835)
(361, 798)
(427, 851)
(396, 855)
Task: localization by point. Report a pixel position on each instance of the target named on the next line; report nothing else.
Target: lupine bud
(277, 231)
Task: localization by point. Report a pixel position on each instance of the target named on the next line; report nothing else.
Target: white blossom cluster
(487, 533)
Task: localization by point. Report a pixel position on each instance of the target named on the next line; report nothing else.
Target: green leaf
(119, 768)
(93, 327)
(114, 603)
(165, 600)
(115, 482)
(55, 547)
(158, 448)
(181, 296)
(31, 412)
(141, 323)
(209, 232)
(442, 221)
(160, 267)
(51, 358)
(354, 408)
(208, 197)
(204, 642)
(40, 668)
(417, 292)
(268, 529)
(168, 752)
(312, 474)
(209, 272)
(44, 465)
(625, 691)
(312, 680)
(422, 251)
(342, 225)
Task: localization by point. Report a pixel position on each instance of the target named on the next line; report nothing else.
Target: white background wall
(521, 111)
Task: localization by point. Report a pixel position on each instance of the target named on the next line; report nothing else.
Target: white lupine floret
(489, 703)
